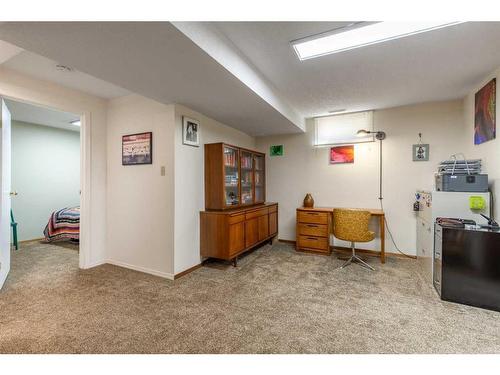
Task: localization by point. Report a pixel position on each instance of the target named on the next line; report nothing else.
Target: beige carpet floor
(276, 301)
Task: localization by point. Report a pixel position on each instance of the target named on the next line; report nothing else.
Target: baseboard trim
(372, 253)
(32, 240)
(361, 251)
(165, 275)
(185, 272)
(95, 264)
(287, 241)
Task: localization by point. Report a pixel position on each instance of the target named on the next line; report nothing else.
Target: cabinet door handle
(312, 238)
(312, 226)
(312, 213)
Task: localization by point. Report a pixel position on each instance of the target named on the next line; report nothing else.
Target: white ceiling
(7, 51)
(183, 64)
(153, 59)
(40, 67)
(42, 116)
(438, 65)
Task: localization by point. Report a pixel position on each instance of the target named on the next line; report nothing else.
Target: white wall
(153, 220)
(489, 151)
(189, 182)
(93, 109)
(45, 174)
(140, 202)
(305, 169)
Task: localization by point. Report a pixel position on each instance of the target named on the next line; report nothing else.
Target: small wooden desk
(373, 211)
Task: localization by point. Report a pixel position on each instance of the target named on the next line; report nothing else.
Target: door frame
(84, 254)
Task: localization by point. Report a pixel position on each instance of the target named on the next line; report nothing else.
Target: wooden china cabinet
(236, 217)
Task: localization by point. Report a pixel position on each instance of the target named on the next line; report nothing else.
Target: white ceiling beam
(221, 49)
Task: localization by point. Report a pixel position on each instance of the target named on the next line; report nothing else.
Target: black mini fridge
(467, 265)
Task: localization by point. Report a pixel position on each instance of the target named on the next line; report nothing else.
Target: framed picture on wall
(190, 132)
(276, 150)
(485, 113)
(421, 152)
(137, 149)
(342, 154)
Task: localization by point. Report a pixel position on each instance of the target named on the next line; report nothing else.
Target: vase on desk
(308, 201)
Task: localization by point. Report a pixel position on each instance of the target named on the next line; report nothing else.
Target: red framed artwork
(342, 154)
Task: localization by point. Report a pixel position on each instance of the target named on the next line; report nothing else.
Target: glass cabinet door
(246, 177)
(231, 180)
(259, 178)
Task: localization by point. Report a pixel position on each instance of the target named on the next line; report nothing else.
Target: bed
(63, 225)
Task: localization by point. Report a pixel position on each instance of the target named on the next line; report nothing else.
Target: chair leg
(355, 258)
(351, 259)
(346, 263)
(363, 263)
(14, 232)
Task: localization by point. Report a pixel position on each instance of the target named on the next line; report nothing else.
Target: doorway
(45, 177)
(66, 197)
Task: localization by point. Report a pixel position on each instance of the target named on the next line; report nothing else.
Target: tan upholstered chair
(352, 225)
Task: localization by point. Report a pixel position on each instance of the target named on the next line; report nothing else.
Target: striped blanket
(63, 225)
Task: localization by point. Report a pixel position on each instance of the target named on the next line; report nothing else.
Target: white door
(5, 192)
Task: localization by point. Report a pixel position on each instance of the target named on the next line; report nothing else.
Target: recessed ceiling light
(76, 123)
(63, 68)
(354, 36)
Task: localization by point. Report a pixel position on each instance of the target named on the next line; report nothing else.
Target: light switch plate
(162, 170)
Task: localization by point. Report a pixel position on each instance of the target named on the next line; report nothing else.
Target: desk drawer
(312, 242)
(312, 217)
(307, 229)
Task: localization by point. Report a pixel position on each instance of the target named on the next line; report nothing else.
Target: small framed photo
(276, 150)
(137, 149)
(190, 132)
(421, 152)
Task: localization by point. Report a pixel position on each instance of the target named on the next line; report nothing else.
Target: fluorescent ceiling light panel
(360, 36)
(76, 123)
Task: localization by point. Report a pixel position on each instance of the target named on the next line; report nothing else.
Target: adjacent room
(270, 187)
(45, 184)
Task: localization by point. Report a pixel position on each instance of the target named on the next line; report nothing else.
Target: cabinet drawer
(233, 219)
(257, 213)
(319, 243)
(320, 230)
(312, 217)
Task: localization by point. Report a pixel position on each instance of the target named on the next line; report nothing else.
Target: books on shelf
(230, 158)
(246, 162)
(232, 180)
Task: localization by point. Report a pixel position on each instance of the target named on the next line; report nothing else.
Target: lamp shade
(362, 132)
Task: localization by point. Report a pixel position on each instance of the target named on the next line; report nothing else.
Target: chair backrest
(351, 224)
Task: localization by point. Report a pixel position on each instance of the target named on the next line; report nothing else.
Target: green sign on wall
(276, 150)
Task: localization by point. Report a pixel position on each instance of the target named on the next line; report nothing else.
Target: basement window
(342, 129)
